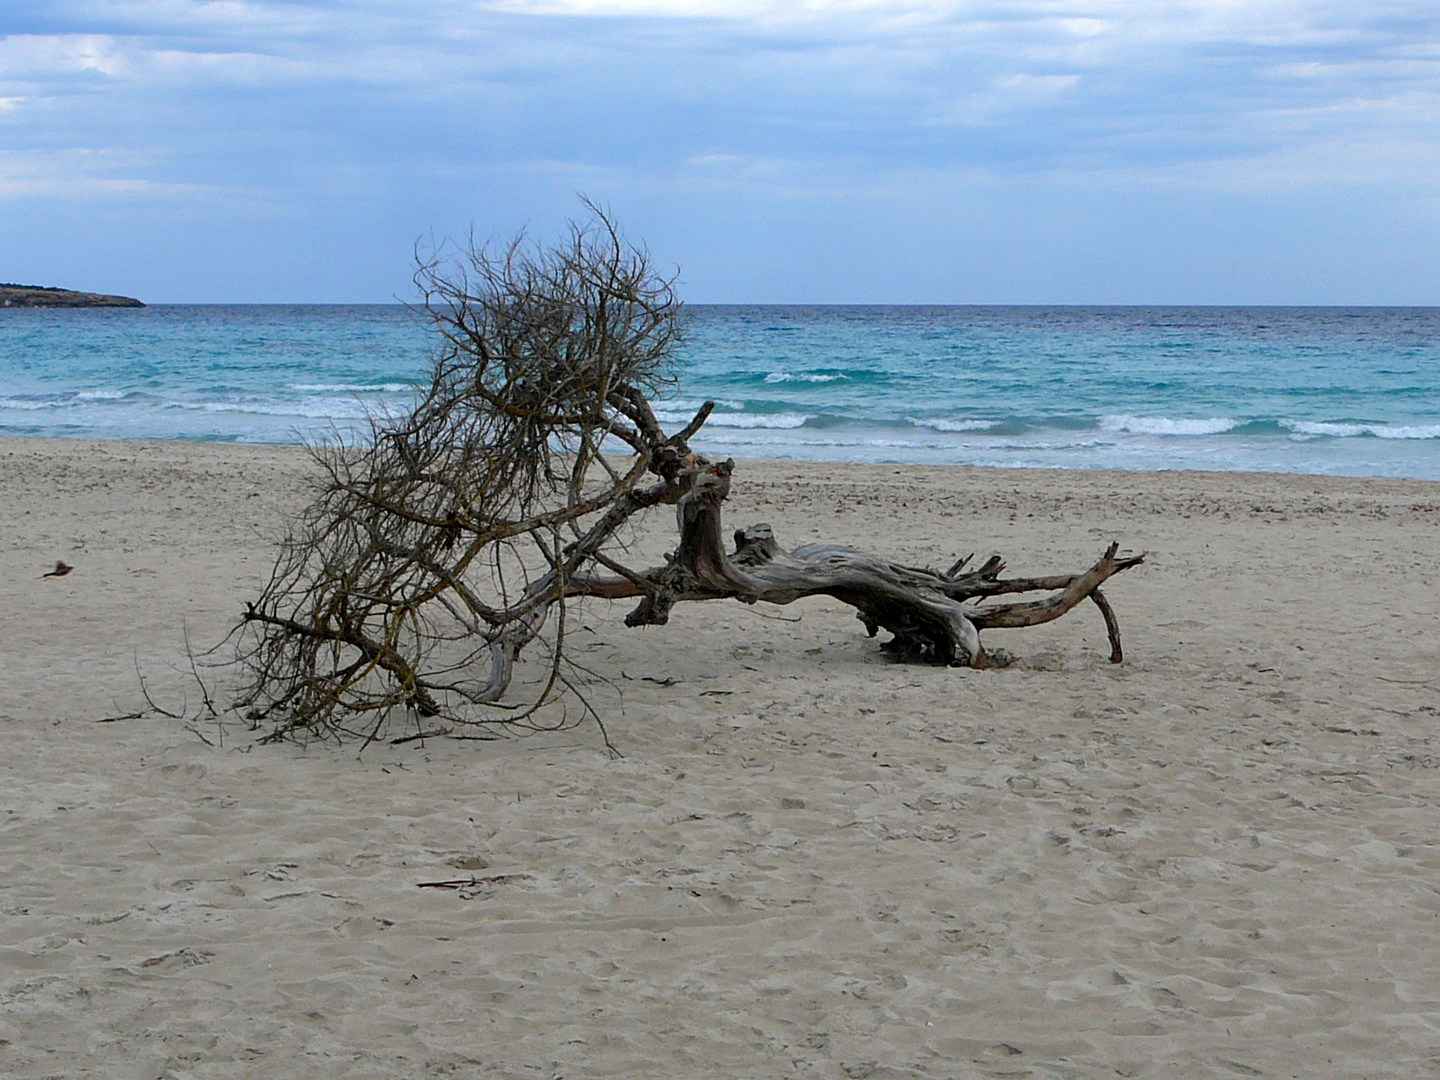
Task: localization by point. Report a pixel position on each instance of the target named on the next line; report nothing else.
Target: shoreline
(1214, 858)
(1310, 394)
(298, 448)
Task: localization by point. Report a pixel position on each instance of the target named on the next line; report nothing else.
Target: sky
(829, 151)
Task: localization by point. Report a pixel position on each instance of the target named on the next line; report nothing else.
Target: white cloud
(865, 76)
(47, 56)
(395, 105)
(86, 173)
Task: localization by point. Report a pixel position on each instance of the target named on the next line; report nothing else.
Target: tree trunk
(925, 610)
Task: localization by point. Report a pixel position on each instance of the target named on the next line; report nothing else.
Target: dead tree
(923, 609)
(451, 540)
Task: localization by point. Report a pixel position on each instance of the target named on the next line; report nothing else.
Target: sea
(1352, 391)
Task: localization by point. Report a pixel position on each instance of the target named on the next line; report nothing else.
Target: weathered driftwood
(924, 609)
(441, 548)
(358, 655)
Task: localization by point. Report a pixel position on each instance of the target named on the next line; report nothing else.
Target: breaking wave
(1164, 425)
(781, 420)
(956, 425)
(1312, 430)
(786, 376)
(353, 388)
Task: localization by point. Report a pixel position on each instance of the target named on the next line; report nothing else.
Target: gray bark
(932, 615)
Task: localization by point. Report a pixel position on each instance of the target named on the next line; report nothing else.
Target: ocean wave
(31, 403)
(740, 420)
(786, 376)
(353, 388)
(1164, 425)
(1309, 429)
(780, 440)
(331, 409)
(689, 406)
(956, 425)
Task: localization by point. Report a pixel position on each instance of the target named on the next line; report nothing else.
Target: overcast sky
(914, 151)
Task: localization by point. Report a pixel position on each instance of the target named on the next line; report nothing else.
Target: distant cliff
(40, 296)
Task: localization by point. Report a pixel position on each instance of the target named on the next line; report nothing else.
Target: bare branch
(408, 585)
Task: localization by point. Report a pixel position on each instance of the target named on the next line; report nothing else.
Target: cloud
(390, 107)
(673, 80)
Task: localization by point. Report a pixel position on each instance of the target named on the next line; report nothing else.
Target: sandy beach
(1220, 858)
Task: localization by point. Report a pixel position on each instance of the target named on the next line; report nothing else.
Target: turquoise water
(1319, 390)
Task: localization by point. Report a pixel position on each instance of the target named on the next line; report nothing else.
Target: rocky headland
(39, 296)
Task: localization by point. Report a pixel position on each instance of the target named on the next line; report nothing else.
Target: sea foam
(955, 425)
(306, 408)
(802, 377)
(740, 420)
(353, 388)
(1311, 429)
(1164, 425)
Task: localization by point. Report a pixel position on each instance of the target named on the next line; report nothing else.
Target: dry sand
(1221, 858)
